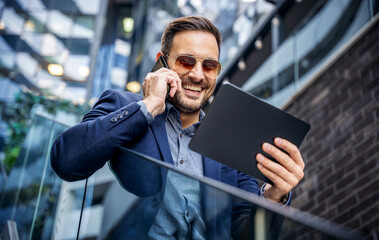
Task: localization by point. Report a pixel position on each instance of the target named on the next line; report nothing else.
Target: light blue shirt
(179, 215)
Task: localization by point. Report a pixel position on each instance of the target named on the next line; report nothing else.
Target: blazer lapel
(212, 169)
(158, 127)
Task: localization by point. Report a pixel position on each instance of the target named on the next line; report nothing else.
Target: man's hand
(155, 89)
(285, 174)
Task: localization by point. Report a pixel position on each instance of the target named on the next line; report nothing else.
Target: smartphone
(161, 62)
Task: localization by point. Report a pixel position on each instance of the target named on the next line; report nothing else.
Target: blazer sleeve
(115, 120)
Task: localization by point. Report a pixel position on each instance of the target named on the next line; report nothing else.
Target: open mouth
(192, 88)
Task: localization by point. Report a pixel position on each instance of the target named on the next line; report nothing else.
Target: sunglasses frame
(197, 60)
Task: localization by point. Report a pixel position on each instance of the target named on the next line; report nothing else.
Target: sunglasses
(185, 63)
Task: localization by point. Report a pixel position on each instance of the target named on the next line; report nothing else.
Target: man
(161, 129)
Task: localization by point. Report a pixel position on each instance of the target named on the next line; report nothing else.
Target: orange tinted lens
(185, 63)
(211, 67)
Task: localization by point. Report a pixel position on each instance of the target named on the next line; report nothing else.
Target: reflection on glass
(90, 7)
(79, 46)
(52, 46)
(32, 194)
(53, 85)
(83, 27)
(214, 211)
(59, 23)
(75, 94)
(7, 60)
(30, 42)
(36, 22)
(12, 20)
(299, 57)
(76, 67)
(26, 64)
(36, 4)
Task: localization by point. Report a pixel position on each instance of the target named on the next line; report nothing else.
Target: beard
(185, 107)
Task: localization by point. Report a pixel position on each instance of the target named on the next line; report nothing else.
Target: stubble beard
(184, 107)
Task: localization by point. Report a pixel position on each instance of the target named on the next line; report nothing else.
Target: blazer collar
(158, 127)
(211, 168)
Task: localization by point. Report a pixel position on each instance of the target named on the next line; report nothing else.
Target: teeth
(193, 88)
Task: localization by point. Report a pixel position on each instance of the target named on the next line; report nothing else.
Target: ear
(158, 55)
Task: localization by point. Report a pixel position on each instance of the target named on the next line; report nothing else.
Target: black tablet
(235, 126)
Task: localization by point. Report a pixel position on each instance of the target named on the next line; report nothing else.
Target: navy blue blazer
(117, 121)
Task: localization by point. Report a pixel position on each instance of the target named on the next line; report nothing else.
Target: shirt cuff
(148, 115)
(285, 201)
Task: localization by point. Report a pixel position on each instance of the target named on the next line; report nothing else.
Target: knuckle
(295, 150)
(278, 170)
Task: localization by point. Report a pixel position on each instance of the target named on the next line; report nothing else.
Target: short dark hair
(188, 24)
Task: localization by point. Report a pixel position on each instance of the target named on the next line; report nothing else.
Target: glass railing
(315, 41)
(155, 206)
(35, 203)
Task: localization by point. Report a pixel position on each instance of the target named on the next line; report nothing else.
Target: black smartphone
(161, 62)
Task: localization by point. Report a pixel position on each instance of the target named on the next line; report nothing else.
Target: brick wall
(341, 151)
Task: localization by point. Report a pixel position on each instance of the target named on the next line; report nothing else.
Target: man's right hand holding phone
(155, 89)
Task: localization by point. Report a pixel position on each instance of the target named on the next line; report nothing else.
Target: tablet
(235, 126)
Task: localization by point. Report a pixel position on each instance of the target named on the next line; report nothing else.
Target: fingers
(279, 175)
(287, 172)
(292, 151)
(175, 84)
(157, 81)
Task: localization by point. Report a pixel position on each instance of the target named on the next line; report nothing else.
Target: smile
(191, 87)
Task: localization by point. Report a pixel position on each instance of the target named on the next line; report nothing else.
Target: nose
(196, 74)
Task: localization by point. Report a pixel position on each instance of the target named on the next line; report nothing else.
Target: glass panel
(75, 94)
(83, 27)
(8, 90)
(36, 4)
(302, 54)
(76, 67)
(31, 194)
(276, 73)
(6, 42)
(52, 46)
(51, 84)
(315, 44)
(7, 60)
(79, 46)
(88, 6)
(12, 20)
(31, 42)
(60, 24)
(164, 202)
(26, 64)
(36, 22)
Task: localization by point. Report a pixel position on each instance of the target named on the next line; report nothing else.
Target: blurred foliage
(18, 116)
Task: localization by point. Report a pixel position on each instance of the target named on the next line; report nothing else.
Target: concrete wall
(341, 151)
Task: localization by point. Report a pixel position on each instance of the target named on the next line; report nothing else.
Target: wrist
(153, 106)
(268, 192)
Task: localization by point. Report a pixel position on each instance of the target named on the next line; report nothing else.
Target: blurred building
(315, 59)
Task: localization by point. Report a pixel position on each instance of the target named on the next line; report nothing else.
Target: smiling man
(160, 124)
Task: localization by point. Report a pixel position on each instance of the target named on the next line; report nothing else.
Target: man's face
(196, 87)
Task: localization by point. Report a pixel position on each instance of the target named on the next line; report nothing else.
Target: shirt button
(187, 213)
(124, 112)
(155, 202)
(114, 119)
(120, 116)
(181, 135)
(181, 161)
